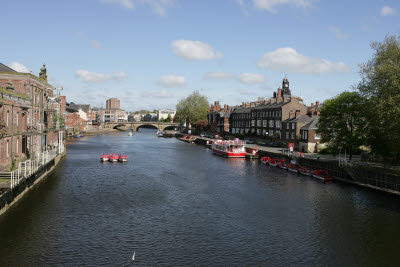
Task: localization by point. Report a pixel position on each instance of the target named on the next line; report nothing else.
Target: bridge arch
(136, 125)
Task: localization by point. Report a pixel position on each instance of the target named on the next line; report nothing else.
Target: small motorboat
(292, 167)
(105, 157)
(265, 160)
(303, 170)
(322, 174)
(274, 162)
(114, 157)
(160, 133)
(282, 165)
(123, 158)
(130, 134)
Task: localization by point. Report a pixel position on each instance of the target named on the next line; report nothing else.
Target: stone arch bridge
(135, 125)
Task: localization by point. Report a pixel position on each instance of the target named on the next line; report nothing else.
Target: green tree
(380, 85)
(192, 108)
(341, 123)
(168, 119)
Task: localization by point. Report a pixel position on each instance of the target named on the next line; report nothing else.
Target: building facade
(162, 114)
(30, 116)
(113, 103)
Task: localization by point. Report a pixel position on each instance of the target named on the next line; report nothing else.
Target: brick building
(219, 118)
(113, 103)
(309, 140)
(29, 122)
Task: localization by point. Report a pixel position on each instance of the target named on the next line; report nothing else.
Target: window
(16, 149)
(7, 148)
(287, 135)
(305, 134)
(258, 123)
(278, 124)
(16, 123)
(292, 125)
(271, 123)
(287, 125)
(317, 136)
(8, 115)
(292, 135)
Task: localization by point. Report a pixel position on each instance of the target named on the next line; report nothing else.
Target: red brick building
(28, 124)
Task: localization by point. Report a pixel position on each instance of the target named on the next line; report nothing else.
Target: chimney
(312, 104)
(291, 114)
(208, 108)
(274, 96)
(279, 93)
(225, 109)
(297, 113)
(317, 103)
(243, 104)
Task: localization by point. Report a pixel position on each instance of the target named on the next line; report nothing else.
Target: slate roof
(4, 68)
(273, 105)
(300, 119)
(85, 108)
(312, 125)
(242, 110)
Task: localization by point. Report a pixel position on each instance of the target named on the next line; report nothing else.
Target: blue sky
(151, 53)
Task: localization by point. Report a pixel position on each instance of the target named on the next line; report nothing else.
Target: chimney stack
(225, 107)
(274, 96)
(312, 104)
(297, 113)
(279, 93)
(291, 114)
(317, 103)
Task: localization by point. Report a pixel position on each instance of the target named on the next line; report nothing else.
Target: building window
(292, 135)
(16, 149)
(292, 125)
(17, 119)
(271, 123)
(305, 134)
(287, 135)
(317, 136)
(8, 116)
(278, 124)
(287, 125)
(7, 148)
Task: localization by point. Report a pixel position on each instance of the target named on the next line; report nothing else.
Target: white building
(163, 114)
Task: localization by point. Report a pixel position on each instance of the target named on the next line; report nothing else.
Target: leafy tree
(192, 108)
(200, 125)
(341, 123)
(168, 118)
(380, 85)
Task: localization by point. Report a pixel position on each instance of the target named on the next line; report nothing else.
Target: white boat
(130, 134)
(229, 149)
(160, 133)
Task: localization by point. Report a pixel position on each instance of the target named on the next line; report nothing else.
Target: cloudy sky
(151, 53)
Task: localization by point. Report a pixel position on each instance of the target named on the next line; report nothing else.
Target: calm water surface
(176, 204)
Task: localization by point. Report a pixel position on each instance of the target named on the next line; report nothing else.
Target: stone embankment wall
(11, 196)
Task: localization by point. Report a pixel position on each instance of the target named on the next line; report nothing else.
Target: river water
(177, 204)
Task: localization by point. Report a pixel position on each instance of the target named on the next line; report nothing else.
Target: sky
(152, 53)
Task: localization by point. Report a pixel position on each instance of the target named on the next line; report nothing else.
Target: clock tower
(285, 88)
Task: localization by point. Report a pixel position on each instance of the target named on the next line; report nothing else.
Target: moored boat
(292, 167)
(282, 165)
(265, 160)
(274, 162)
(130, 134)
(105, 157)
(303, 170)
(123, 158)
(160, 133)
(322, 175)
(114, 157)
(229, 149)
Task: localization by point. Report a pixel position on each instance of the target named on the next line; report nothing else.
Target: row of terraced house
(283, 119)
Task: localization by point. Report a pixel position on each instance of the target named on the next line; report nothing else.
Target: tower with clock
(285, 88)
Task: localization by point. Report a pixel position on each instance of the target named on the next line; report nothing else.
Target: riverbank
(345, 173)
(98, 132)
(12, 195)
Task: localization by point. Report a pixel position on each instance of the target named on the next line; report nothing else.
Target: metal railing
(28, 167)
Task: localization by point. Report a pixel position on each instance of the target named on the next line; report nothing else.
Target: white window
(292, 135)
(317, 136)
(305, 134)
(271, 123)
(259, 131)
(292, 125)
(263, 132)
(258, 123)
(17, 120)
(265, 123)
(278, 124)
(287, 135)
(287, 125)
(7, 148)
(253, 123)
(8, 116)
(270, 132)
(17, 146)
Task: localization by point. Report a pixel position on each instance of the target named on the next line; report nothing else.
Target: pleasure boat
(230, 148)
(114, 157)
(303, 170)
(123, 158)
(104, 157)
(322, 174)
(265, 160)
(160, 133)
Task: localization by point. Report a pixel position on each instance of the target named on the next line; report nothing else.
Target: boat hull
(123, 160)
(113, 160)
(292, 170)
(104, 159)
(229, 154)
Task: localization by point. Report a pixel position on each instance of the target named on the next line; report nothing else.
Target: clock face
(286, 85)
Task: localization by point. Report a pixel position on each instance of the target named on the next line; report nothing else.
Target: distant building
(150, 117)
(162, 114)
(113, 103)
(113, 115)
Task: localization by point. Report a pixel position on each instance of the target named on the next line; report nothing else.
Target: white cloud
(270, 5)
(95, 77)
(251, 78)
(18, 67)
(339, 34)
(194, 50)
(171, 81)
(387, 10)
(157, 94)
(219, 75)
(158, 6)
(289, 60)
(95, 44)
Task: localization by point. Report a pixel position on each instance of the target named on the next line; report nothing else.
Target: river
(177, 204)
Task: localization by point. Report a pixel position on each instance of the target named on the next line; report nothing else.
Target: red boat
(274, 162)
(114, 157)
(303, 170)
(292, 167)
(123, 158)
(229, 149)
(265, 160)
(282, 165)
(104, 157)
(322, 174)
